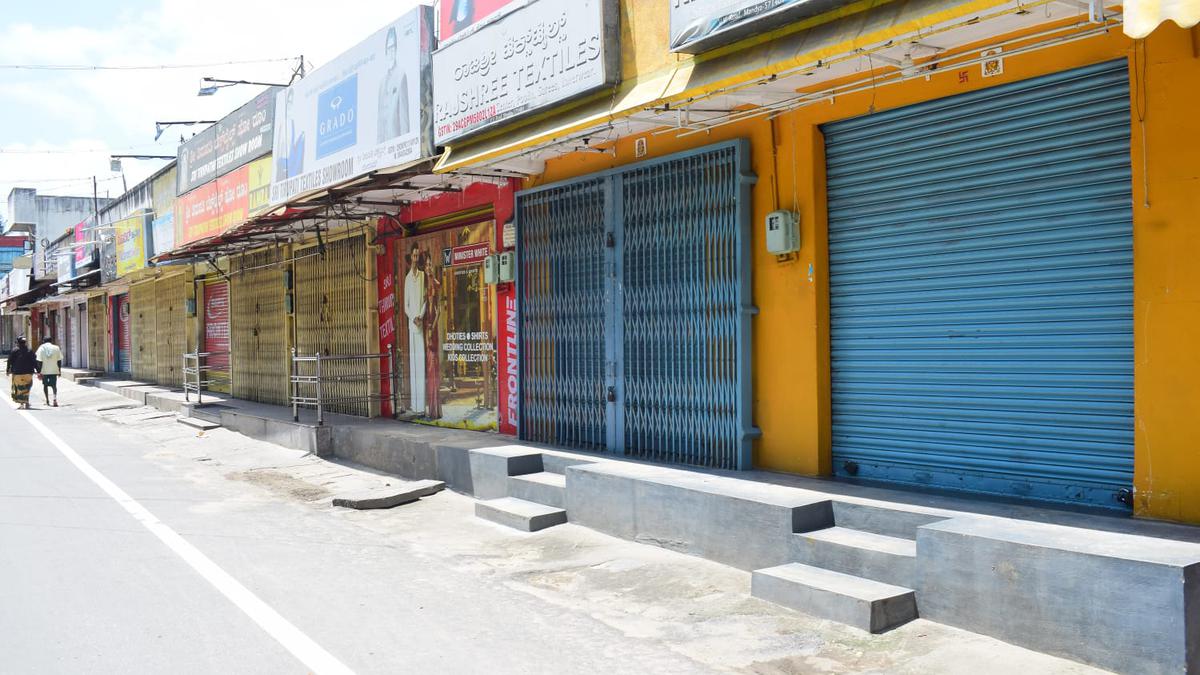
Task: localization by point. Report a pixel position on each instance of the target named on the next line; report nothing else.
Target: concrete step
(890, 522)
(520, 514)
(891, 560)
(388, 496)
(543, 487)
(202, 425)
(869, 605)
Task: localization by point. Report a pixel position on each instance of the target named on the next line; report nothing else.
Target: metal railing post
(199, 381)
(320, 406)
(186, 394)
(292, 387)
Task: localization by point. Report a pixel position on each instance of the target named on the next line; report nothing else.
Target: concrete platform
(867, 605)
(520, 514)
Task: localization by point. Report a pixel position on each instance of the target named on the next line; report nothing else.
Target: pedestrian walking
(49, 358)
(21, 366)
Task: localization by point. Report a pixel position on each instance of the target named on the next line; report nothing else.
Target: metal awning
(73, 280)
(801, 64)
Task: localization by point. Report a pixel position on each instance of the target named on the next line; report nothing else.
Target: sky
(59, 127)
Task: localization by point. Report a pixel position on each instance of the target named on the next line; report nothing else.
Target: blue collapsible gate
(981, 290)
(635, 310)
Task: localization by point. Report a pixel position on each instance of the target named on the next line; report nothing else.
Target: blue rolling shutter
(635, 309)
(981, 290)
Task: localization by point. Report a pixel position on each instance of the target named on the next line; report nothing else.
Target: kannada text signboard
(365, 110)
(216, 206)
(536, 56)
(240, 137)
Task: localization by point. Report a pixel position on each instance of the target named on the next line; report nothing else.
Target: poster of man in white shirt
(393, 93)
(414, 309)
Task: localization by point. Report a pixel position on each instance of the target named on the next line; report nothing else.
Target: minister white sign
(700, 25)
(543, 53)
(361, 112)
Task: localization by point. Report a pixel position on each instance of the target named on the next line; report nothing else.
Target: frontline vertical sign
(544, 53)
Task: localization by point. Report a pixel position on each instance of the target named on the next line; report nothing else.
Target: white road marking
(291, 638)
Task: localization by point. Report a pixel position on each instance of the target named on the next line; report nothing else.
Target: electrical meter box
(506, 265)
(491, 269)
(783, 232)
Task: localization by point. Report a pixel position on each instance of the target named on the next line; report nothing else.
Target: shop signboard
(162, 227)
(218, 205)
(700, 25)
(130, 236)
(64, 261)
(366, 110)
(445, 330)
(541, 54)
(83, 252)
(237, 139)
(459, 18)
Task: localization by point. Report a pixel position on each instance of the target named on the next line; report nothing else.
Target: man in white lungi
(414, 309)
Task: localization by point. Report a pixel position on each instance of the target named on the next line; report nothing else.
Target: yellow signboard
(131, 244)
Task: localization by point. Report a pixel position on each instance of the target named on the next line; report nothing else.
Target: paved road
(132, 544)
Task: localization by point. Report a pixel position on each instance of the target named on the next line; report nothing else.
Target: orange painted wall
(791, 345)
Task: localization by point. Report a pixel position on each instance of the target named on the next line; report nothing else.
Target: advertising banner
(130, 236)
(83, 254)
(538, 55)
(386, 286)
(446, 330)
(240, 137)
(700, 25)
(162, 228)
(458, 18)
(214, 207)
(365, 110)
(64, 261)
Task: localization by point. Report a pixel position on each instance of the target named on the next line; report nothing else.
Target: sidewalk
(1106, 590)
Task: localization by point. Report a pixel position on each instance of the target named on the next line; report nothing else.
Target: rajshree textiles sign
(700, 25)
(543, 53)
(365, 110)
(240, 137)
(216, 206)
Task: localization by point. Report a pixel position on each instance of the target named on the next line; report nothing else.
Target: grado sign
(366, 110)
(541, 54)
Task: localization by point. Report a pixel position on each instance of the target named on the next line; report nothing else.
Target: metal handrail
(318, 379)
(199, 383)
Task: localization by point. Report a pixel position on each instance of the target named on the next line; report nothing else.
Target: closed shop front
(981, 290)
(334, 318)
(171, 328)
(98, 332)
(122, 333)
(259, 327)
(144, 312)
(635, 309)
(214, 334)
